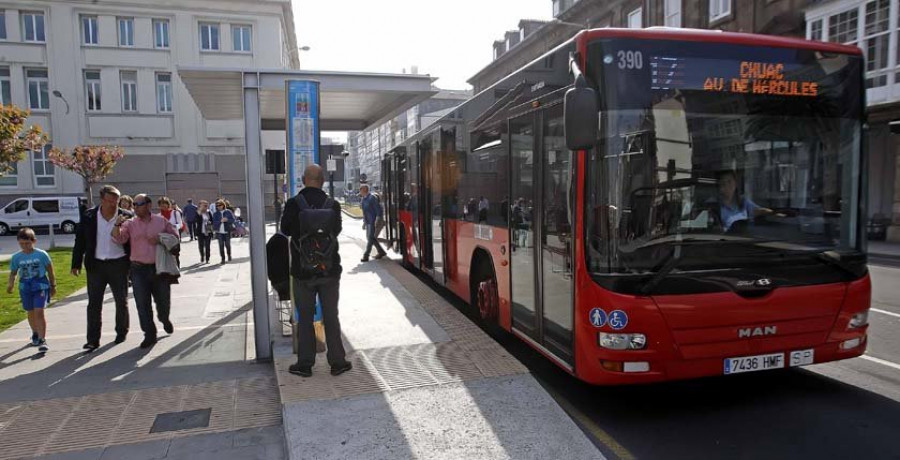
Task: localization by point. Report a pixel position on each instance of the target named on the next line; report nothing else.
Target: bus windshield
(736, 154)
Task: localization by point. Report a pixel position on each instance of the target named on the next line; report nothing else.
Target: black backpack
(315, 241)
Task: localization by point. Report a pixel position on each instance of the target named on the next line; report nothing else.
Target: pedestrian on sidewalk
(142, 233)
(37, 283)
(126, 203)
(190, 216)
(171, 212)
(106, 263)
(313, 221)
(223, 223)
(203, 230)
(372, 211)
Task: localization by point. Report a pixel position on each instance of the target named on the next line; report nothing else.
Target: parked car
(39, 211)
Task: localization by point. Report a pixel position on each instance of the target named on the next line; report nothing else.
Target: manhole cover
(175, 421)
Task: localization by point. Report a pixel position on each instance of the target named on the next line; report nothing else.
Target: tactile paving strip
(126, 417)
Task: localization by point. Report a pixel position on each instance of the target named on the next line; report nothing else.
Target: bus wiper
(833, 258)
(669, 264)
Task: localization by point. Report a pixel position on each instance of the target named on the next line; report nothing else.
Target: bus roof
(716, 36)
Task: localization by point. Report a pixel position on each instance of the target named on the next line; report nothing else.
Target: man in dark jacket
(308, 285)
(372, 211)
(190, 216)
(106, 263)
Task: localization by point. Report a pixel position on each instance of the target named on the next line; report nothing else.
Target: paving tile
(257, 452)
(149, 450)
(87, 454)
(201, 443)
(257, 436)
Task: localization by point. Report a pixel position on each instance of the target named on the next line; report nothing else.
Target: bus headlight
(622, 341)
(859, 320)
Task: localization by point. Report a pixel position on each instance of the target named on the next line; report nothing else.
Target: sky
(451, 40)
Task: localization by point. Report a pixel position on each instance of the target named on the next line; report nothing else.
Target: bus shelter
(348, 102)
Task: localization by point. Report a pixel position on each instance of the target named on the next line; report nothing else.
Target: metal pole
(256, 210)
(275, 201)
(331, 184)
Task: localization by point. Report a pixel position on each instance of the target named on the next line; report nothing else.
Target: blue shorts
(32, 300)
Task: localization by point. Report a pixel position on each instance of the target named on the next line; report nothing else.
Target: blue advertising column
(302, 148)
(302, 129)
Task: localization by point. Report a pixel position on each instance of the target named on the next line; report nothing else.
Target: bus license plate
(754, 363)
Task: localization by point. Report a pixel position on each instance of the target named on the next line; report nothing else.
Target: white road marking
(883, 312)
(881, 361)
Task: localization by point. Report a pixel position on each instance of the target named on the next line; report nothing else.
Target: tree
(15, 138)
(92, 162)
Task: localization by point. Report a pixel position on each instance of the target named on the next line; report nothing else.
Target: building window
(2, 25)
(209, 37)
(164, 92)
(89, 30)
(38, 89)
(719, 9)
(815, 30)
(241, 37)
(10, 178)
(844, 27)
(129, 91)
(877, 39)
(635, 19)
(672, 13)
(92, 89)
(126, 31)
(161, 33)
(33, 27)
(5, 92)
(44, 171)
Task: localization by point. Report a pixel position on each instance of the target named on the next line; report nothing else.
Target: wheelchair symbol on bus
(618, 319)
(597, 317)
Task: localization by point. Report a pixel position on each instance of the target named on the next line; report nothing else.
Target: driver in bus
(734, 207)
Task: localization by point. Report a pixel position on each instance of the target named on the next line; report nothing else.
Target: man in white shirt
(106, 263)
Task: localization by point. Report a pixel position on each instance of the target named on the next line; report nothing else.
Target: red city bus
(650, 205)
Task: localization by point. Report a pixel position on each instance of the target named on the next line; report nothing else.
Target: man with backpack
(313, 221)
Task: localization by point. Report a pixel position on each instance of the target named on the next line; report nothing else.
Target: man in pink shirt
(142, 233)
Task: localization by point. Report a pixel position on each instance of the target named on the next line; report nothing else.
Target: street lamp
(59, 95)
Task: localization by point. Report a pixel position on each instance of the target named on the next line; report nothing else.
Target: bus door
(431, 213)
(541, 230)
(415, 204)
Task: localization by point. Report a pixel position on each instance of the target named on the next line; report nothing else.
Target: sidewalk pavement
(67, 404)
(426, 383)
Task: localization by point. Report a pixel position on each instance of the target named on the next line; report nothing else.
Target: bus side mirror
(582, 116)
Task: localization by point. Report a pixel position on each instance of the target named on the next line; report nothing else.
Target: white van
(40, 211)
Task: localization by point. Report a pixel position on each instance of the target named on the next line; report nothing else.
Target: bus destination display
(730, 76)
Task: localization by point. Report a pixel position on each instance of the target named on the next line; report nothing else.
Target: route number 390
(630, 60)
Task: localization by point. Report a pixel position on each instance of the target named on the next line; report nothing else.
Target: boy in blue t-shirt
(37, 283)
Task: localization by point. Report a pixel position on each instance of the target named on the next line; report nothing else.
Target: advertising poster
(302, 129)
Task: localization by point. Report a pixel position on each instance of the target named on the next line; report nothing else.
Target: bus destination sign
(730, 76)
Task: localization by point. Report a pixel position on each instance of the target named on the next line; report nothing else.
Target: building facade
(774, 17)
(105, 72)
(367, 148)
(873, 26)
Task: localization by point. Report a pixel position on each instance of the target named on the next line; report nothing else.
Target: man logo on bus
(598, 317)
(755, 331)
(618, 320)
(764, 282)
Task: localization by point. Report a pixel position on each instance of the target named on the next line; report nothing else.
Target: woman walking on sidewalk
(223, 222)
(203, 229)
